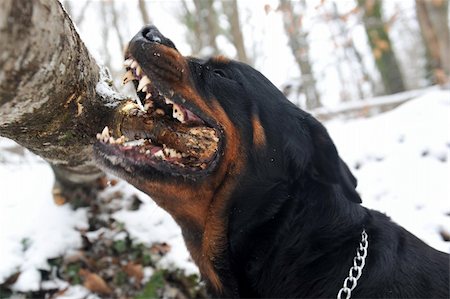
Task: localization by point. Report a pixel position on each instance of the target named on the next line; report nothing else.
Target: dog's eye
(220, 73)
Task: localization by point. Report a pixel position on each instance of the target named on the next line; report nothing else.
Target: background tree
(433, 21)
(235, 35)
(299, 44)
(144, 12)
(381, 45)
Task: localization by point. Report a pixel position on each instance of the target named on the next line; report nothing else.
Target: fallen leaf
(134, 270)
(94, 282)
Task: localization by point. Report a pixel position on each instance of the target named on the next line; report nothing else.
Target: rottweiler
(266, 206)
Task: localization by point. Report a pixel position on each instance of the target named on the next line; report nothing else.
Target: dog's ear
(327, 166)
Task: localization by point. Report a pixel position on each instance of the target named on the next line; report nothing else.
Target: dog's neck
(281, 231)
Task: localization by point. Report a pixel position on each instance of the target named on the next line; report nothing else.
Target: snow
(32, 227)
(400, 159)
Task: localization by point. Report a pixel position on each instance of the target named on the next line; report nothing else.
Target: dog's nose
(151, 34)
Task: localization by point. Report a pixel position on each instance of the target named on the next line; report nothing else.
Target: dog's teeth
(98, 136)
(148, 105)
(143, 82)
(177, 113)
(148, 96)
(138, 70)
(134, 64)
(168, 101)
(159, 154)
(134, 142)
(128, 62)
(139, 103)
(127, 77)
(105, 133)
(144, 89)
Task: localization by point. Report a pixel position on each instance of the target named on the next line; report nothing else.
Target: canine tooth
(178, 113)
(144, 89)
(134, 64)
(143, 82)
(139, 103)
(127, 77)
(99, 136)
(168, 101)
(105, 132)
(112, 140)
(148, 96)
(128, 62)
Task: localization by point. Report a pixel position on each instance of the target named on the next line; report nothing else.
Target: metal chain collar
(359, 261)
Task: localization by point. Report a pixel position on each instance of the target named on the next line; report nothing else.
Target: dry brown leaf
(134, 270)
(94, 282)
(160, 248)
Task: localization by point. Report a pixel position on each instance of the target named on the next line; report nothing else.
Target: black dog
(266, 206)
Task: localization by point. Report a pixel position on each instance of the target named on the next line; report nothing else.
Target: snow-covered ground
(400, 159)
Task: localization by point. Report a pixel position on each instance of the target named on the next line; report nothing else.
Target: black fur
(295, 219)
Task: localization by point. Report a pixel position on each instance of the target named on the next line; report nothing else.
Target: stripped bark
(53, 98)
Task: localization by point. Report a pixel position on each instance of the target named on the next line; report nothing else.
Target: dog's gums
(159, 131)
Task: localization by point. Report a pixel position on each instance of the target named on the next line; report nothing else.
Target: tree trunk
(381, 46)
(54, 98)
(432, 17)
(232, 12)
(298, 42)
(144, 14)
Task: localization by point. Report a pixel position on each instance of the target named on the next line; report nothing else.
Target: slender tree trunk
(115, 23)
(381, 46)
(298, 42)
(232, 12)
(53, 96)
(144, 13)
(433, 22)
(207, 19)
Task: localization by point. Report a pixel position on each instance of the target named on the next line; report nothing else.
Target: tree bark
(144, 14)
(298, 42)
(54, 97)
(381, 46)
(433, 23)
(232, 12)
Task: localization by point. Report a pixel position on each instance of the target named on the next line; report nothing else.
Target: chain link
(359, 261)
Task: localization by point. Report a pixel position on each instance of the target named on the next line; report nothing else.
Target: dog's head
(201, 128)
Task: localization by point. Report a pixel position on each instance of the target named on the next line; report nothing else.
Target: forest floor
(121, 245)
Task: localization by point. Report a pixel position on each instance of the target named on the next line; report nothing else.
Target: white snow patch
(401, 160)
(32, 228)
